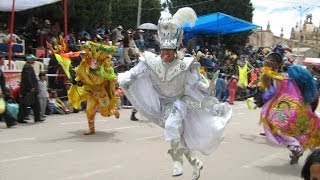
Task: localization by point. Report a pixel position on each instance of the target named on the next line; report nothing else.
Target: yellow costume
(243, 76)
(95, 83)
(95, 79)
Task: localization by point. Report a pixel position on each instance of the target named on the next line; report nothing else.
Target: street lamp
(139, 13)
(301, 11)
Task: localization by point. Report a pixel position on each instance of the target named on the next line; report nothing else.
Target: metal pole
(300, 32)
(65, 18)
(218, 29)
(11, 32)
(139, 13)
(260, 36)
(300, 41)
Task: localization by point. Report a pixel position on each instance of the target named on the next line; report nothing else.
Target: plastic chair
(19, 65)
(6, 65)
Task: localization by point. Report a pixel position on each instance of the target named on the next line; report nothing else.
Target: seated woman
(12, 108)
(56, 105)
(63, 96)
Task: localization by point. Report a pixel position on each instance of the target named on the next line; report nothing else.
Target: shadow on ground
(257, 138)
(283, 169)
(99, 136)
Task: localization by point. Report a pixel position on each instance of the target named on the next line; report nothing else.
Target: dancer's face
(315, 171)
(167, 55)
(94, 64)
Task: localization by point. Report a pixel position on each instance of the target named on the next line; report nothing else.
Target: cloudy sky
(284, 14)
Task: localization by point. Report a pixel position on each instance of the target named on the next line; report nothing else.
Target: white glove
(126, 83)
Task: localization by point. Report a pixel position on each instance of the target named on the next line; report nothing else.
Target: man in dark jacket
(29, 91)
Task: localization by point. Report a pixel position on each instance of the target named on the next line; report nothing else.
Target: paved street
(123, 149)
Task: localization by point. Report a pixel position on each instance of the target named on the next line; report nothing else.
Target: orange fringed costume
(61, 54)
(95, 83)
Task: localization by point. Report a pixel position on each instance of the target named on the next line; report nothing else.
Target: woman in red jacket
(232, 87)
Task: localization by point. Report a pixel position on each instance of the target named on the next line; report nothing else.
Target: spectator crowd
(237, 80)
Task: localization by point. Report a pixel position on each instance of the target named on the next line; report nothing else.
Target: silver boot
(195, 162)
(176, 153)
(296, 153)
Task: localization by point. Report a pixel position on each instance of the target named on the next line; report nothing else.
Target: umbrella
(148, 26)
(311, 61)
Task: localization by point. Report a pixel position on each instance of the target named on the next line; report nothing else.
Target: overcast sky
(284, 14)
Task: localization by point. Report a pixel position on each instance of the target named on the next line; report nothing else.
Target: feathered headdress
(170, 30)
(101, 54)
(60, 51)
(59, 46)
(98, 51)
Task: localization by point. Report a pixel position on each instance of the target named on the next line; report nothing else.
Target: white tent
(20, 5)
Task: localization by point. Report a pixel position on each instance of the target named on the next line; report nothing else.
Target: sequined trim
(166, 109)
(170, 89)
(155, 63)
(293, 119)
(104, 101)
(267, 74)
(191, 102)
(178, 67)
(167, 73)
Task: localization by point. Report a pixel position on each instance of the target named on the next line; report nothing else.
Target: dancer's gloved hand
(258, 99)
(258, 102)
(126, 83)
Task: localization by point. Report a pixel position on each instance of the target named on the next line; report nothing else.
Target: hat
(47, 21)
(170, 30)
(30, 57)
(279, 49)
(234, 76)
(42, 74)
(120, 27)
(99, 37)
(275, 57)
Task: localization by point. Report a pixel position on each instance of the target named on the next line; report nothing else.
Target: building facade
(304, 39)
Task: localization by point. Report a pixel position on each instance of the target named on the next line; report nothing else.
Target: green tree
(124, 12)
(151, 11)
(84, 13)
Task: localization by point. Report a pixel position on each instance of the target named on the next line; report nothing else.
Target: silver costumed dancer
(168, 90)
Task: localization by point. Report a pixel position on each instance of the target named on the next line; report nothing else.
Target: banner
(13, 78)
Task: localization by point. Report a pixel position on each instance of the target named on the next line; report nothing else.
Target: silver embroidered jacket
(169, 80)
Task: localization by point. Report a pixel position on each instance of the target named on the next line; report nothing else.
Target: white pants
(43, 105)
(174, 123)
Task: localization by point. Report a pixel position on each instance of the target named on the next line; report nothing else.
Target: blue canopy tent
(218, 23)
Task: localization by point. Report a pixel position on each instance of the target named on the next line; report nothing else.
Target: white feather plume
(185, 15)
(165, 15)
